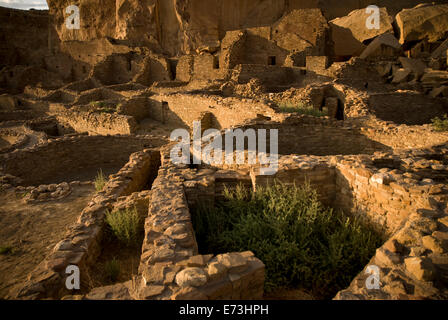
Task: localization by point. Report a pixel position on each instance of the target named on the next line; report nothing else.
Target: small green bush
(126, 225)
(301, 108)
(302, 243)
(112, 270)
(440, 124)
(100, 181)
(103, 107)
(6, 250)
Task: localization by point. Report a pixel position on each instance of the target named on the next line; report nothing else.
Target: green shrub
(440, 124)
(126, 225)
(302, 243)
(302, 108)
(112, 270)
(100, 181)
(6, 250)
(103, 107)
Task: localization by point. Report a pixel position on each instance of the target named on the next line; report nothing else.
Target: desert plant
(6, 250)
(103, 107)
(100, 181)
(126, 225)
(300, 241)
(440, 124)
(301, 108)
(112, 270)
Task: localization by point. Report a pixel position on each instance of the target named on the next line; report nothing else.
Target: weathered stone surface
(425, 22)
(402, 75)
(433, 244)
(416, 65)
(420, 268)
(216, 270)
(349, 32)
(233, 261)
(191, 277)
(114, 292)
(150, 291)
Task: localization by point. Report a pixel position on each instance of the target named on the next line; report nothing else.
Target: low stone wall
(170, 267)
(98, 123)
(184, 69)
(72, 155)
(20, 140)
(17, 115)
(138, 108)
(268, 75)
(301, 134)
(300, 170)
(183, 109)
(403, 195)
(81, 246)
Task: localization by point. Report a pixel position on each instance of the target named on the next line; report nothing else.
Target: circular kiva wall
(73, 158)
(320, 137)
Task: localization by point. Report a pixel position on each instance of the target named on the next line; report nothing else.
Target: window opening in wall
(272, 60)
(164, 111)
(215, 63)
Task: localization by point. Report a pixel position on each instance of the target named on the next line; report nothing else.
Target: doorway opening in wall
(164, 111)
(272, 60)
(340, 111)
(215, 63)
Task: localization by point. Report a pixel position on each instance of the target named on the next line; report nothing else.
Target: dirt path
(32, 230)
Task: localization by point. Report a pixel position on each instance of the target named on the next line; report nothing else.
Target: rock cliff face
(181, 26)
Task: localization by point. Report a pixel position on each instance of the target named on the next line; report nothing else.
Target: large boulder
(348, 33)
(423, 22)
(384, 46)
(302, 29)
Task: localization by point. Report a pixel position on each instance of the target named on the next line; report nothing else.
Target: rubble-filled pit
(292, 233)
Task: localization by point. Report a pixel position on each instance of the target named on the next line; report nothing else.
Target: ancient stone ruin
(353, 94)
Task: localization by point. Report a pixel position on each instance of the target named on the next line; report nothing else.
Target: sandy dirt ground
(30, 231)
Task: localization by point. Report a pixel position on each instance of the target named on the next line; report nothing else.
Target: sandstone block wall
(185, 67)
(183, 109)
(206, 67)
(268, 75)
(318, 136)
(101, 123)
(316, 63)
(72, 155)
(82, 244)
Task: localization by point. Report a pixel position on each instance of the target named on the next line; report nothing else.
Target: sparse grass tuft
(112, 270)
(440, 124)
(126, 226)
(103, 107)
(6, 250)
(301, 108)
(301, 242)
(100, 181)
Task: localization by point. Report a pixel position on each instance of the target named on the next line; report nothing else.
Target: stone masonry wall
(45, 162)
(170, 267)
(81, 246)
(98, 123)
(183, 109)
